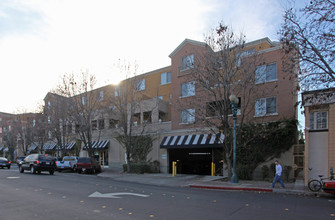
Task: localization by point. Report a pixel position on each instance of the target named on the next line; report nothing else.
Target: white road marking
(115, 195)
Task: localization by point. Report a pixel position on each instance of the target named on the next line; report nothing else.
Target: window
(84, 100)
(77, 128)
(113, 123)
(140, 85)
(266, 106)
(187, 62)
(318, 120)
(69, 128)
(101, 124)
(147, 117)
(49, 104)
(187, 116)
(94, 125)
(101, 96)
(188, 89)
(214, 108)
(266, 73)
(165, 78)
(243, 54)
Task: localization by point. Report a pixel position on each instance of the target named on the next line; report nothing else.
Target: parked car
(19, 159)
(4, 162)
(67, 163)
(37, 163)
(89, 165)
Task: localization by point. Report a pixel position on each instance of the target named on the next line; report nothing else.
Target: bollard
(174, 168)
(213, 169)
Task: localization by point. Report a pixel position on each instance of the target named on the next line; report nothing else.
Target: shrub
(265, 172)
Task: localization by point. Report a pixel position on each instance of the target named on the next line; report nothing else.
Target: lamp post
(234, 102)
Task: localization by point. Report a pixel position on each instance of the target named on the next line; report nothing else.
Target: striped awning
(70, 146)
(193, 141)
(99, 144)
(49, 146)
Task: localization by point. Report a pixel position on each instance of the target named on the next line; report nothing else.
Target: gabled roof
(187, 41)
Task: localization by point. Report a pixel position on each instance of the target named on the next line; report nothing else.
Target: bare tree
(309, 33)
(59, 124)
(83, 105)
(224, 68)
(127, 103)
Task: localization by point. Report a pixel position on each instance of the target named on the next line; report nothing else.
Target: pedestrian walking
(277, 178)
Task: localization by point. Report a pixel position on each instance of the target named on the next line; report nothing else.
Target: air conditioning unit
(135, 123)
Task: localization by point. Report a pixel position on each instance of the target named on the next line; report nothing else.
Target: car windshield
(68, 159)
(42, 157)
(84, 160)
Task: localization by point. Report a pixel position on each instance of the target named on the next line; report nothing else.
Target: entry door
(318, 154)
(101, 158)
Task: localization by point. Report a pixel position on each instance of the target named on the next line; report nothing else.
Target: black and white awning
(49, 147)
(70, 146)
(193, 141)
(99, 144)
(32, 148)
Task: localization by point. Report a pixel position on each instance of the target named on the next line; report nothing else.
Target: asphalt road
(66, 195)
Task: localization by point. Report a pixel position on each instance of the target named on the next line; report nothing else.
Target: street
(69, 195)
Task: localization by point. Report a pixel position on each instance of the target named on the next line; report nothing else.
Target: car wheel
(51, 172)
(8, 167)
(60, 171)
(21, 169)
(93, 170)
(79, 171)
(74, 169)
(32, 169)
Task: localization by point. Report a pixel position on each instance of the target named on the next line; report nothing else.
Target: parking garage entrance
(194, 154)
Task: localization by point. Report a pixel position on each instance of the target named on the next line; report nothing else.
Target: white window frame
(187, 89)
(187, 62)
(318, 120)
(166, 78)
(263, 106)
(264, 74)
(187, 116)
(140, 85)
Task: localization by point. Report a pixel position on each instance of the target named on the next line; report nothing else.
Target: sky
(41, 40)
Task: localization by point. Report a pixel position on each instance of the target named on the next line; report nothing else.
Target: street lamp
(234, 102)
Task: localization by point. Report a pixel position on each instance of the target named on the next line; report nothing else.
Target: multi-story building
(168, 104)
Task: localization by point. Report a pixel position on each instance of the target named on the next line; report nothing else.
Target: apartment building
(320, 126)
(271, 97)
(168, 104)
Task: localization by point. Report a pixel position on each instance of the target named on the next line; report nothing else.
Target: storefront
(101, 151)
(194, 154)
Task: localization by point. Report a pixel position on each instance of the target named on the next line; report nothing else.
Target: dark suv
(37, 163)
(89, 165)
(4, 162)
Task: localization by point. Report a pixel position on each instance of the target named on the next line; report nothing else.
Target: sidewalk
(208, 182)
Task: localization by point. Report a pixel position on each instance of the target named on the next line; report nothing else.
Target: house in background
(319, 133)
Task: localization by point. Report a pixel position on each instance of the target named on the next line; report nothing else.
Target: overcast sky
(41, 40)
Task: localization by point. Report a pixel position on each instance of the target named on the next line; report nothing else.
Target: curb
(231, 188)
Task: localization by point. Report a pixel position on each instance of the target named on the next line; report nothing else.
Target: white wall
(318, 154)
